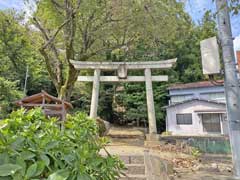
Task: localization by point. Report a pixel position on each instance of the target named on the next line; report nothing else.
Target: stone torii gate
(122, 68)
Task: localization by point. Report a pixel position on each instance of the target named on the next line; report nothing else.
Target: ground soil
(186, 166)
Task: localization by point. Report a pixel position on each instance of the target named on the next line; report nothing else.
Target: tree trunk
(67, 88)
(69, 35)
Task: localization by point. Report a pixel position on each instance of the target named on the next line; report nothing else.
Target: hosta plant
(34, 147)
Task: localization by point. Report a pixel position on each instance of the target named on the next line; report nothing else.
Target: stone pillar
(157, 168)
(95, 94)
(150, 103)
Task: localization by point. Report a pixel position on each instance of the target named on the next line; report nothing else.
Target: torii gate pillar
(150, 102)
(95, 93)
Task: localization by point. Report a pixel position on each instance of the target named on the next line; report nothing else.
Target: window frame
(184, 121)
(209, 126)
(180, 98)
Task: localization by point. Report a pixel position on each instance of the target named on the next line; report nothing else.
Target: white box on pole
(210, 56)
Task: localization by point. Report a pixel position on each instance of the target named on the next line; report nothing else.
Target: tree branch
(39, 26)
(50, 40)
(56, 60)
(78, 6)
(57, 4)
(87, 56)
(55, 34)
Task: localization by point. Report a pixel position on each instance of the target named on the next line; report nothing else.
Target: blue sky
(196, 8)
(16, 4)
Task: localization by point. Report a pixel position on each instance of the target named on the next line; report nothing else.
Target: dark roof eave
(200, 84)
(67, 104)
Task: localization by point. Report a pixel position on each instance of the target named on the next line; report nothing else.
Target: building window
(211, 123)
(218, 96)
(184, 119)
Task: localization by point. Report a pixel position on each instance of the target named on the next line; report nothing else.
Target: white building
(197, 109)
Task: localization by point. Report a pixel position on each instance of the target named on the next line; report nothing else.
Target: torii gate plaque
(122, 68)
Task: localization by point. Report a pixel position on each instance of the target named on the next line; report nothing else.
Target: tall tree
(9, 92)
(74, 30)
(17, 52)
(84, 30)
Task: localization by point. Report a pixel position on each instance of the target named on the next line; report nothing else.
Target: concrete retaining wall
(206, 144)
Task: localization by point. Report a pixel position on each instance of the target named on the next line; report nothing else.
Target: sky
(196, 8)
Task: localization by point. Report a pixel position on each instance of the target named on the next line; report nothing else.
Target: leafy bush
(196, 153)
(8, 93)
(34, 147)
(101, 126)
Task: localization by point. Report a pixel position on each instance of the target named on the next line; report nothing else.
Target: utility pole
(232, 90)
(25, 83)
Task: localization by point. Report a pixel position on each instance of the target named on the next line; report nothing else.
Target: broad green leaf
(32, 146)
(9, 169)
(31, 171)
(45, 159)
(17, 176)
(4, 158)
(69, 158)
(83, 177)
(21, 163)
(6, 178)
(52, 145)
(26, 155)
(40, 168)
(2, 137)
(59, 175)
(18, 143)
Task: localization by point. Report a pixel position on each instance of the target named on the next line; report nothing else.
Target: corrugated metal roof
(195, 85)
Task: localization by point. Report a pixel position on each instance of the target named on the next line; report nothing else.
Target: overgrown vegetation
(34, 147)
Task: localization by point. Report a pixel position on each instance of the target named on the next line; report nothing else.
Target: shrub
(196, 153)
(101, 126)
(8, 93)
(34, 147)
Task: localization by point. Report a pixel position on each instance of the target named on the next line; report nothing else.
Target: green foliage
(101, 127)
(34, 147)
(196, 153)
(8, 94)
(17, 51)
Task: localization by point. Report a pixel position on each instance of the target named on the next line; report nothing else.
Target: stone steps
(131, 159)
(135, 167)
(134, 177)
(126, 141)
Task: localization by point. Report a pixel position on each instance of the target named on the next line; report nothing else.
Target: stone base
(157, 168)
(152, 137)
(151, 144)
(152, 140)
